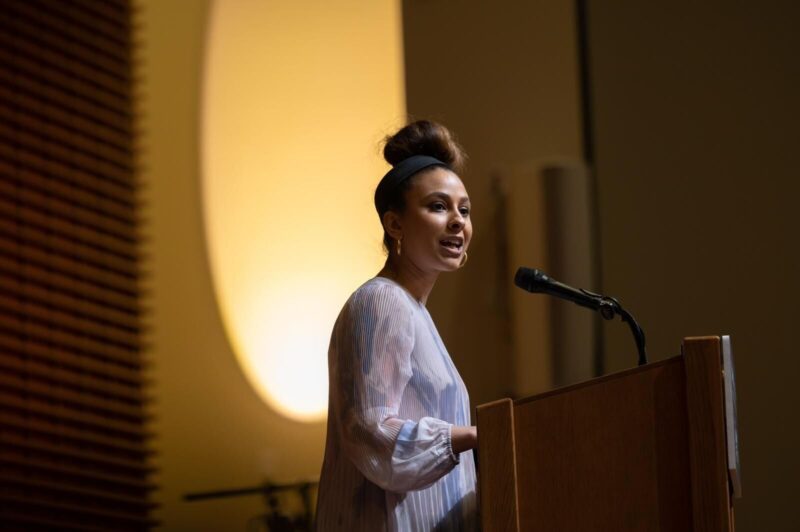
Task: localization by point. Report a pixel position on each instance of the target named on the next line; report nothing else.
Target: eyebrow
(445, 196)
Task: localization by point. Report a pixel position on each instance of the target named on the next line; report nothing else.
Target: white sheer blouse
(394, 397)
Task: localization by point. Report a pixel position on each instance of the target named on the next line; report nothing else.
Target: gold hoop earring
(464, 260)
(399, 247)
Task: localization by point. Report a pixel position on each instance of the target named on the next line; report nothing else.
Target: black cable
(609, 307)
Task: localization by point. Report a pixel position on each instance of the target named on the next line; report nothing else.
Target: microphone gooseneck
(537, 281)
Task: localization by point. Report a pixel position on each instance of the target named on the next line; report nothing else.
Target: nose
(456, 222)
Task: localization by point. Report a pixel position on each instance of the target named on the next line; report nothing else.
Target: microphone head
(530, 279)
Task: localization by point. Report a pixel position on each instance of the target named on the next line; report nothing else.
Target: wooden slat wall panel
(69, 265)
(69, 98)
(43, 239)
(49, 203)
(73, 305)
(113, 23)
(36, 183)
(53, 23)
(74, 439)
(69, 378)
(39, 101)
(31, 273)
(88, 459)
(65, 137)
(30, 24)
(65, 224)
(85, 399)
(26, 140)
(40, 161)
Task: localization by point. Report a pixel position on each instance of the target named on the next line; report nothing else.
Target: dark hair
(422, 137)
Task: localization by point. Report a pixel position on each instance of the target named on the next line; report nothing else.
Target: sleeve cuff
(453, 455)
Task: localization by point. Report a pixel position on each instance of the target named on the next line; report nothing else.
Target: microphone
(538, 282)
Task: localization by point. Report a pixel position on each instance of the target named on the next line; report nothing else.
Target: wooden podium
(640, 450)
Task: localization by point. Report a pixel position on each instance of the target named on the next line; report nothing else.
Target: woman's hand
(464, 438)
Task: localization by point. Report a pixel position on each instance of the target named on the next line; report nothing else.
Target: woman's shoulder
(380, 295)
(383, 289)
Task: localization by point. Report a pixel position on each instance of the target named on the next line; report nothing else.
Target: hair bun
(424, 137)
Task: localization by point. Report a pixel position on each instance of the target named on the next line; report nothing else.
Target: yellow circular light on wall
(296, 97)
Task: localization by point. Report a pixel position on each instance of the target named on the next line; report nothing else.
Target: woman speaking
(399, 414)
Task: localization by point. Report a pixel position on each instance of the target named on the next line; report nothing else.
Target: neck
(407, 275)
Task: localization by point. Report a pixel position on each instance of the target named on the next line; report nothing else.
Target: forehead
(438, 179)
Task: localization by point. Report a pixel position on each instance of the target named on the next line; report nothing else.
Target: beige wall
(696, 108)
(211, 429)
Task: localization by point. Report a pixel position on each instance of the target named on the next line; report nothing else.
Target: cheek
(433, 223)
(425, 227)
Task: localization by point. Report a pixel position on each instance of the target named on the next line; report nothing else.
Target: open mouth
(454, 243)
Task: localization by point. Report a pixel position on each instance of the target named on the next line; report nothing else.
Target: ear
(393, 225)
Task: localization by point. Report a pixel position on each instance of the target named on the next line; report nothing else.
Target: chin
(451, 264)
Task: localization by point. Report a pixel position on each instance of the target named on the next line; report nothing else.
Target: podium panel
(640, 450)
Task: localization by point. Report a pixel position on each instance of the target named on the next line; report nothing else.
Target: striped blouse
(394, 397)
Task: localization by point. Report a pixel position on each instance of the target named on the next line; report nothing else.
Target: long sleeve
(374, 340)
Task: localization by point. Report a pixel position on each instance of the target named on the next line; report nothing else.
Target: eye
(438, 206)
(464, 211)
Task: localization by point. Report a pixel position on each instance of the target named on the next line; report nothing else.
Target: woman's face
(435, 227)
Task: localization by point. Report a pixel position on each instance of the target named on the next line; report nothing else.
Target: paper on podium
(731, 429)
